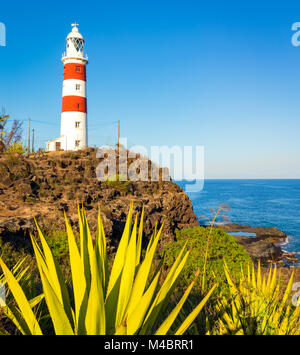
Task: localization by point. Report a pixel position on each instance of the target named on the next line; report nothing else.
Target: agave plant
(258, 305)
(25, 278)
(123, 301)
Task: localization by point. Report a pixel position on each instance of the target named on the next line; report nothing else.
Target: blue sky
(221, 74)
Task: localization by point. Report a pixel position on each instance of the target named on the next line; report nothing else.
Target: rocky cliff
(45, 186)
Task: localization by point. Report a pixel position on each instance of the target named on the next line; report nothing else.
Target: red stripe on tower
(74, 103)
(74, 71)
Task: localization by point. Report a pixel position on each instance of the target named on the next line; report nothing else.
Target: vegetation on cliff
(219, 246)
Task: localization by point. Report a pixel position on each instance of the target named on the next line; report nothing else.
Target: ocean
(258, 203)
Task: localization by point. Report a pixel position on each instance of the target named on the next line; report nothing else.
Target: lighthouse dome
(74, 33)
(75, 45)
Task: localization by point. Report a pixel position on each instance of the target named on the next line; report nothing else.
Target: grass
(120, 185)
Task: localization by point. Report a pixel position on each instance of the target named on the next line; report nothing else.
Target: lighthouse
(73, 128)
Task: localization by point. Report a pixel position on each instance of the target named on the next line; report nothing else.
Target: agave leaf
(78, 277)
(120, 255)
(54, 273)
(16, 271)
(258, 276)
(137, 315)
(16, 317)
(95, 321)
(264, 285)
(287, 292)
(253, 277)
(127, 277)
(85, 246)
(158, 268)
(22, 302)
(36, 300)
(273, 279)
(139, 241)
(163, 295)
(269, 278)
(111, 307)
(154, 234)
(58, 315)
(88, 232)
(232, 288)
(114, 283)
(143, 274)
(101, 253)
(191, 317)
(122, 329)
(48, 265)
(166, 325)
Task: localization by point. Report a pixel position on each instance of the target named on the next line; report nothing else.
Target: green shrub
(219, 246)
(11, 255)
(58, 242)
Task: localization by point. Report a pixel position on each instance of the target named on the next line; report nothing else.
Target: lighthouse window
(77, 143)
(77, 124)
(77, 86)
(77, 69)
(78, 44)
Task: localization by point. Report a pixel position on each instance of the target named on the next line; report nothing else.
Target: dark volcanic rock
(262, 246)
(261, 249)
(271, 234)
(48, 185)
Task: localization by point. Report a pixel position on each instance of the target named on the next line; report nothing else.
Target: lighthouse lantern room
(73, 129)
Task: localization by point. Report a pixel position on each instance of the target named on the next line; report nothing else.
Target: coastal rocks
(271, 234)
(262, 244)
(291, 257)
(262, 250)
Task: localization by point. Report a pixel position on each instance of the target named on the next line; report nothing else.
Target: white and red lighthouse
(73, 130)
